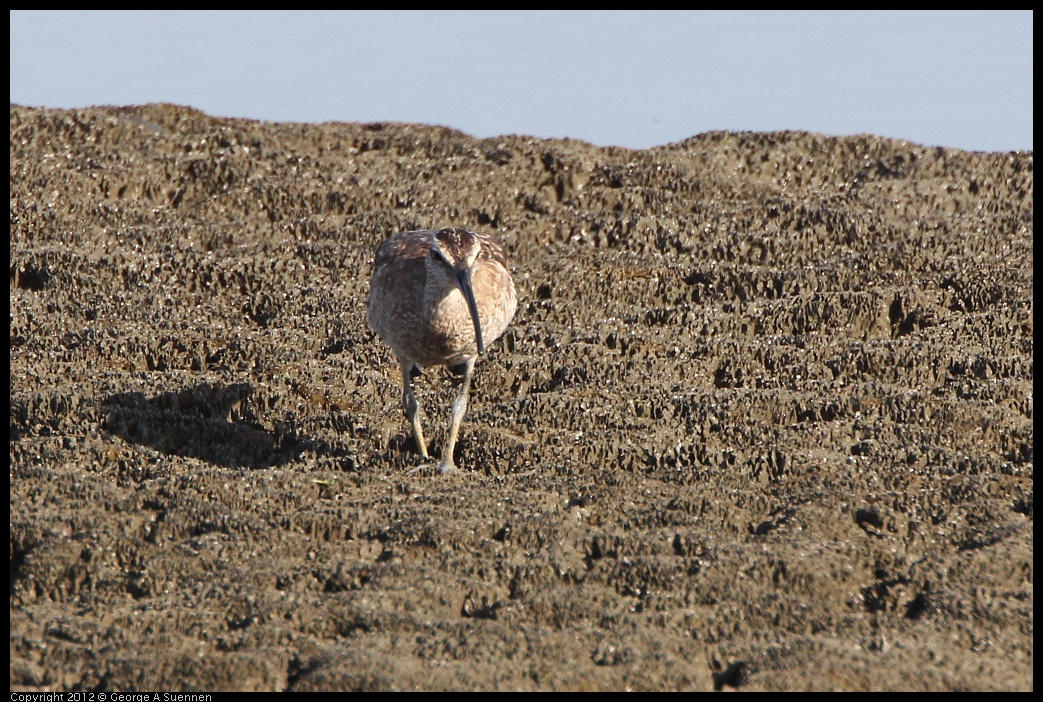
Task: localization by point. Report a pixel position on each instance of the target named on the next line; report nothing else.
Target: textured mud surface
(763, 419)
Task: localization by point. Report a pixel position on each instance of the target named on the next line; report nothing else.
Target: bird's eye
(437, 256)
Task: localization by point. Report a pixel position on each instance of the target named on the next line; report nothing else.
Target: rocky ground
(763, 419)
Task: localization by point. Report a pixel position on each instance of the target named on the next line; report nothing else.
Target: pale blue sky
(626, 78)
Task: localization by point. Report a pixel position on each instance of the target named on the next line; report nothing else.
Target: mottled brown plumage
(438, 298)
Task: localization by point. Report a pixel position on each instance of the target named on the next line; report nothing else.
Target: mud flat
(763, 420)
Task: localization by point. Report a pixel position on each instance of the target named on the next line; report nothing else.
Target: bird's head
(453, 257)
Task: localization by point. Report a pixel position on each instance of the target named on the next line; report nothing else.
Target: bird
(439, 297)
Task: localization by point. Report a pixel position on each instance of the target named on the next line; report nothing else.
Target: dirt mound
(763, 419)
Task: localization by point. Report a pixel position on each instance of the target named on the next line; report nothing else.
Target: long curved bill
(463, 279)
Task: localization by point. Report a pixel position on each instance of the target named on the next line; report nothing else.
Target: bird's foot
(447, 466)
(443, 467)
(426, 467)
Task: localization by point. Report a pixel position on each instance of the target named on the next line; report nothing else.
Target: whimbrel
(438, 298)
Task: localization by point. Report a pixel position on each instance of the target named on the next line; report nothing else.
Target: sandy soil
(763, 419)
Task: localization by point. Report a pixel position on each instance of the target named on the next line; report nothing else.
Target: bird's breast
(497, 300)
(450, 326)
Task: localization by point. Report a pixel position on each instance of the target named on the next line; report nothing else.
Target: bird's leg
(458, 409)
(412, 409)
